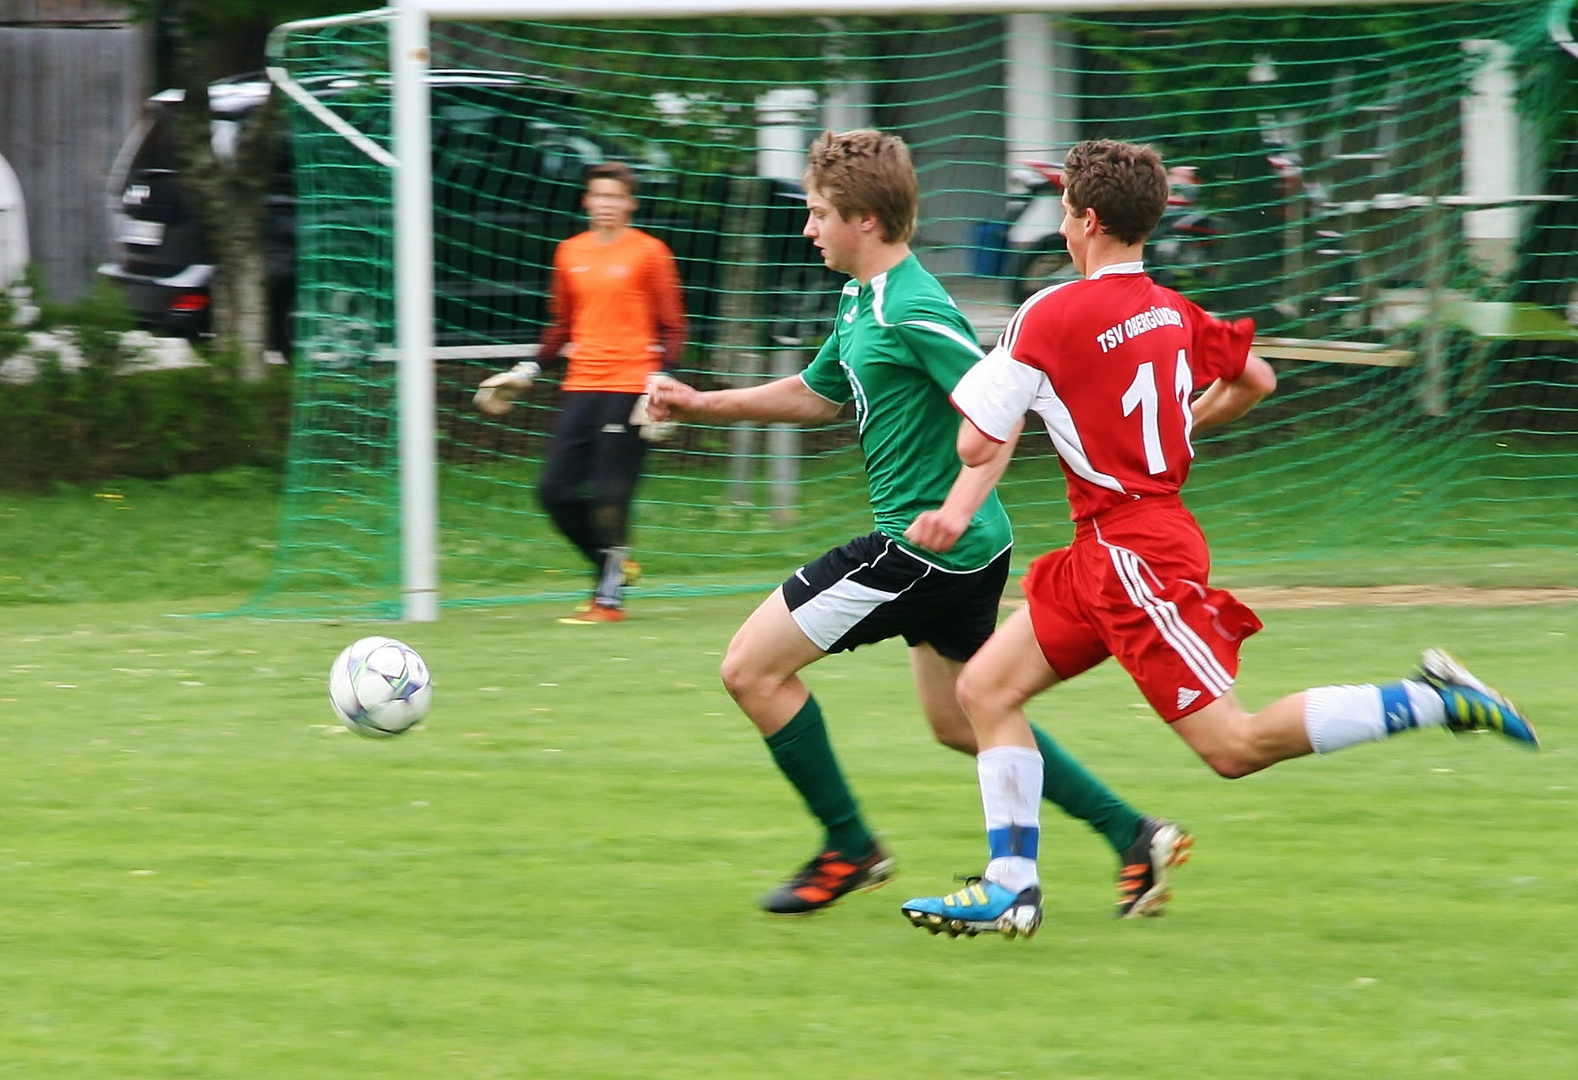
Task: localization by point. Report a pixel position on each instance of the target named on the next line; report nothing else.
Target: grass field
(202, 876)
(218, 536)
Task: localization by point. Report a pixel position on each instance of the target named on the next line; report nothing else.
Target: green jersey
(899, 345)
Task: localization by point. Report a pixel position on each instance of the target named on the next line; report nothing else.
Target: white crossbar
(679, 9)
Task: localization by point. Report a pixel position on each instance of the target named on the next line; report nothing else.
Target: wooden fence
(72, 80)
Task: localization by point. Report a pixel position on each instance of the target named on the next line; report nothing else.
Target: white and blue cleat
(981, 907)
(1470, 704)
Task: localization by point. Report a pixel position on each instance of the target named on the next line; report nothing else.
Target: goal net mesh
(1391, 193)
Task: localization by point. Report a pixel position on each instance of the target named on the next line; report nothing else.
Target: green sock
(805, 756)
(1066, 784)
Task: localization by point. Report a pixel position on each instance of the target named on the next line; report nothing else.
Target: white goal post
(409, 23)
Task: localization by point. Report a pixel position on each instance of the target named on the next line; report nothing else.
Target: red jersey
(620, 309)
(1111, 363)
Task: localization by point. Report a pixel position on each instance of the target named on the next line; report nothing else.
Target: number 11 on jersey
(1142, 394)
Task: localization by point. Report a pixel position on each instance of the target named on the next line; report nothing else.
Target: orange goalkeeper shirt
(619, 309)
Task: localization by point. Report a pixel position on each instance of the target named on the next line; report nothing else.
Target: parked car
(164, 267)
(509, 155)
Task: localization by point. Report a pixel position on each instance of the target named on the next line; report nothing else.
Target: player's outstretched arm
(940, 529)
(1226, 401)
(978, 448)
(783, 401)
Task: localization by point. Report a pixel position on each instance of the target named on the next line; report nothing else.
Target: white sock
(1011, 797)
(1339, 716)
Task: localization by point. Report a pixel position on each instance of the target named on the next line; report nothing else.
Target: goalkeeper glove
(653, 431)
(498, 392)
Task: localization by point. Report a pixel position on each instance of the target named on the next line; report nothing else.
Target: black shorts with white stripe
(871, 589)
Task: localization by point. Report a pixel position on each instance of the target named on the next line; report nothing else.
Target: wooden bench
(1331, 352)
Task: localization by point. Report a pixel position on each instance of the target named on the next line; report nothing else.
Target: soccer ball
(379, 687)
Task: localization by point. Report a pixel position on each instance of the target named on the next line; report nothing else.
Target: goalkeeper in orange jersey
(618, 314)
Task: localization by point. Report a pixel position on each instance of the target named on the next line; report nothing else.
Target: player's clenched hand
(652, 429)
(936, 530)
(670, 399)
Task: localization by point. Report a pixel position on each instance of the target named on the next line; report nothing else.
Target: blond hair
(866, 172)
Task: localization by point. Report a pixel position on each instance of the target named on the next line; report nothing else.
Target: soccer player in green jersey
(934, 569)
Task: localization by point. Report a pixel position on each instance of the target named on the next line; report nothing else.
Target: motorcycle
(1183, 252)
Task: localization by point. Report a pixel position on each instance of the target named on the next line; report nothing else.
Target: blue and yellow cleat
(981, 907)
(1470, 704)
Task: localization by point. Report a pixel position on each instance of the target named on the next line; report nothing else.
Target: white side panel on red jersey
(995, 394)
(1065, 437)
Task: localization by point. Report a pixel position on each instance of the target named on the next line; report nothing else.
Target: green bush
(96, 422)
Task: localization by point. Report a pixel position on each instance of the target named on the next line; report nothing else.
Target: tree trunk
(241, 300)
(229, 194)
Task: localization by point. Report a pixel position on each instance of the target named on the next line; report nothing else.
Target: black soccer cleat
(831, 875)
(1143, 879)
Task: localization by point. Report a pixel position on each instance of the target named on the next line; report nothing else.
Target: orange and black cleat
(827, 877)
(1144, 879)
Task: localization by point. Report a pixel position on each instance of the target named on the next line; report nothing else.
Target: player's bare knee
(1225, 748)
(975, 693)
(1225, 737)
(949, 725)
(740, 679)
(748, 681)
(1229, 764)
(1236, 756)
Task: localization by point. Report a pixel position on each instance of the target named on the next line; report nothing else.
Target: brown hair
(867, 172)
(614, 170)
(1125, 184)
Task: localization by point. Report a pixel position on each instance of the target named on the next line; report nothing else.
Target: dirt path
(1308, 596)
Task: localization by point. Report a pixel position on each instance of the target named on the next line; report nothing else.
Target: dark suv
(164, 267)
(509, 154)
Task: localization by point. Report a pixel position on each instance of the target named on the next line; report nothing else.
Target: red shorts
(1133, 585)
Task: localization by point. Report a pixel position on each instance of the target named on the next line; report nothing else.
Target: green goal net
(1391, 192)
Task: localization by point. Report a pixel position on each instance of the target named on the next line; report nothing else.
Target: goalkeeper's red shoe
(596, 613)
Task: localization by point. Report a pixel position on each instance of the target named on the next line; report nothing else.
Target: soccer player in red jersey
(932, 570)
(1113, 363)
(619, 315)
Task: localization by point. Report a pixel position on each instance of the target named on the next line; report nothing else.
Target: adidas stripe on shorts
(1133, 586)
(872, 589)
